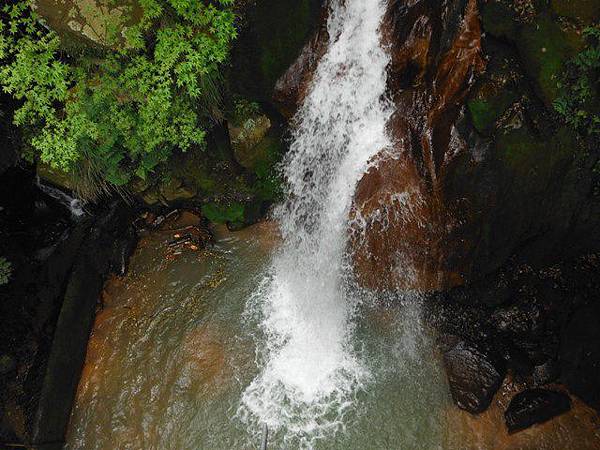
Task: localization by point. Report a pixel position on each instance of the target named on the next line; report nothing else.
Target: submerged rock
(473, 376)
(535, 406)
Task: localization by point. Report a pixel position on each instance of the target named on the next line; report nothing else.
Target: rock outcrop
(542, 323)
(452, 200)
(480, 166)
(473, 375)
(535, 406)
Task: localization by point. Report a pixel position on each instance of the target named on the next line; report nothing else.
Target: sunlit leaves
(125, 111)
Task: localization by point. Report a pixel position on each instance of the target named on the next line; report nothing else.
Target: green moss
(533, 161)
(276, 32)
(485, 112)
(283, 32)
(266, 154)
(544, 48)
(224, 213)
(234, 214)
(587, 11)
(268, 186)
(499, 20)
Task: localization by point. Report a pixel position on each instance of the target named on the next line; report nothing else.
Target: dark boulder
(108, 244)
(519, 363)
(474, 376)
(535, 406)
(580, 355)
(272, 35)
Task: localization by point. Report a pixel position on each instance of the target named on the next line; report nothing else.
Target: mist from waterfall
(309, 371)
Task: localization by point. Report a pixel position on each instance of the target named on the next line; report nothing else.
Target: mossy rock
(486, 111)
(234, 214)
(82, 23)
(207, 173)
(55, 176)
(533, 161)
(499, 20)
(151, 196)
(544, 48)
(587, 11)
(174, 189)
(258, 147)
(246, 136)
(275, 32)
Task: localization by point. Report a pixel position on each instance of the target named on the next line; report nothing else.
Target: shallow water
(173, 351)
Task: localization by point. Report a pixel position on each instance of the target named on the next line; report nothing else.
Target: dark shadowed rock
(272, 34)
(109, 242)
(519, 363)
(535, 406)
(545, 373)
(473, 376)
(580, 355)
(292, 86)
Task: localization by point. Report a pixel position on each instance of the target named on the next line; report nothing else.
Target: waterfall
(74, 205)
(309, 370)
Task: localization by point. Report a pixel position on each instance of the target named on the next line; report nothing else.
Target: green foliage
(107, 116)
(244, 109)
(5, 271)
(223, 213)
(580, 83)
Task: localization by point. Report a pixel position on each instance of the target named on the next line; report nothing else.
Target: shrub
(122, 109)
(579, 103)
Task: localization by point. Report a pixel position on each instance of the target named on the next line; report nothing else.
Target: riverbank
(58, 262)
(524, 330)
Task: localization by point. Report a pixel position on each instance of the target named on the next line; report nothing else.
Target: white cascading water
(308, 368)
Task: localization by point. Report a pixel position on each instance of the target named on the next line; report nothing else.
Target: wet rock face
(535, 406)
(473, 376)
(412, 237)
(477, 170)
(480, 169)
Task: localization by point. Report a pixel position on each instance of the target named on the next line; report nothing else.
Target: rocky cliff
(481, 167)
